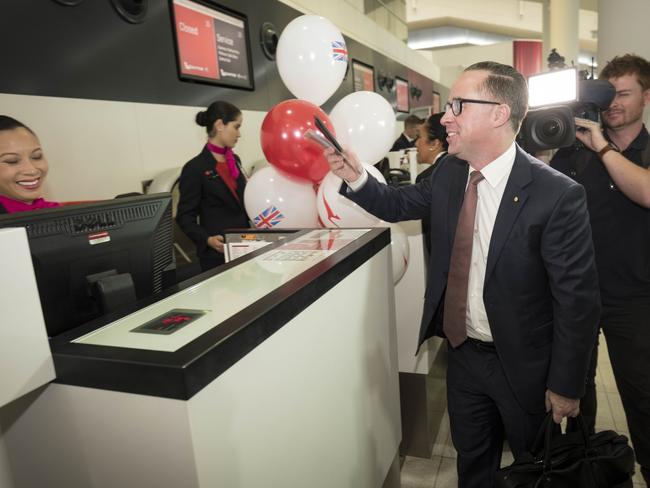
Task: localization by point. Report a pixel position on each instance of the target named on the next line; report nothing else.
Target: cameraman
(613, 168)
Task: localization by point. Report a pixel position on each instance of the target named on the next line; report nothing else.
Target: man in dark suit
(511, 281)
(410, 134)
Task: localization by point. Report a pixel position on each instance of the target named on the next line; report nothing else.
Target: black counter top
(184, 372)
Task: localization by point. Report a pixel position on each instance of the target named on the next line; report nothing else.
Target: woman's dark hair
(9, 123)
(225, 111)
(435, 130)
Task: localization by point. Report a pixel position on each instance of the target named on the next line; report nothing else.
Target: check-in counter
(422, 375)
(277, 369)
(25, 359)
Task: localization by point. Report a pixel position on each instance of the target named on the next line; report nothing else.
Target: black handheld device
(328, 135)
(337, 147)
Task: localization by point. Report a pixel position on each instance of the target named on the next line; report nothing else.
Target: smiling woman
(23, 168)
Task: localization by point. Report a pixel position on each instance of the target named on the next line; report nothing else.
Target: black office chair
(398, 177)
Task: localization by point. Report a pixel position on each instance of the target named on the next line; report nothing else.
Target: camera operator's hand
(592, 137)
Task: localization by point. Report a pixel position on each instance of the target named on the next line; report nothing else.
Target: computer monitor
(128, 238)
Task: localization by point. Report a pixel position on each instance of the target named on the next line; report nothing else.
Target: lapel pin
(516, 199)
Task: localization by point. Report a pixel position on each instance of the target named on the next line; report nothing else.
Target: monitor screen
(128, 235)
(212, 44)
(364, 76)
(402, 93)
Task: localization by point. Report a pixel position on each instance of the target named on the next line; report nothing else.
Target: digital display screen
(402, 93)
(170, 322)
(212, 44)
(364, 76)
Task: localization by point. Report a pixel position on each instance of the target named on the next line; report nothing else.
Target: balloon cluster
(298, 190)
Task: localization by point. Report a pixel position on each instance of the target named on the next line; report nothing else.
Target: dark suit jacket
(432, 167)
(541, 288)
(206, 206)
(402, 143)
(426, 174)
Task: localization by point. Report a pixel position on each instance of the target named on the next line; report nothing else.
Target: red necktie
(454, 324)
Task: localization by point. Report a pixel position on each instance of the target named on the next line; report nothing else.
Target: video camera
(554, 99)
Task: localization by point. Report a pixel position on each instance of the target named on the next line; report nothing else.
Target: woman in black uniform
(212, 185)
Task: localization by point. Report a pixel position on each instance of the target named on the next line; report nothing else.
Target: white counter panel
(25, 358)
(314, 405)
(224, 294)
(317, 404)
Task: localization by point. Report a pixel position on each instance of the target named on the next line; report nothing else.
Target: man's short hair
(412, 120)
(628, 64)
(506, 85)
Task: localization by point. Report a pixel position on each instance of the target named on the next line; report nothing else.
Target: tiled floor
(440, 470)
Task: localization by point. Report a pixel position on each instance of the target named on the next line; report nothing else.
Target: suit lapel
(514, 199)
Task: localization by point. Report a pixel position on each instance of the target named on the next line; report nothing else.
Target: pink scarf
(12, 205)
(230, 158)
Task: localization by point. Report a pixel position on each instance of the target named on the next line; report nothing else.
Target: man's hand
(593, 137)
(340, 168)
(561, 406)
(216, 243)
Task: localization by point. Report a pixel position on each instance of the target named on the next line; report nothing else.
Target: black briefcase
(571, 460)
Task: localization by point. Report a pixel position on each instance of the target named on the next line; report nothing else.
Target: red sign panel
(212, 44)
(197, 43)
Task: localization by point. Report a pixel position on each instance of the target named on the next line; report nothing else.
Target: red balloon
(284, 145)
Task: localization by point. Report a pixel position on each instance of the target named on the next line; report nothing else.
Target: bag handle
(578, 423)
(549, 428)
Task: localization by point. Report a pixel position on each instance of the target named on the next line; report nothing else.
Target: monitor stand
(111, 290)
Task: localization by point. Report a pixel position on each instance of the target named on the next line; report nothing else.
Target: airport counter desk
(278, 369)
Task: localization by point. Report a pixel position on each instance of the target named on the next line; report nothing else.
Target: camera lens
(550, 128)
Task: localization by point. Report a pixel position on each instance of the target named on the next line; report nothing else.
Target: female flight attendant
(212, 185)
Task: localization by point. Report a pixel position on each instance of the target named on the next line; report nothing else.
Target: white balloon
(335, 210)
(400, 250)
(375, 172)
(312, 58)
(274, 201)
(364, 122)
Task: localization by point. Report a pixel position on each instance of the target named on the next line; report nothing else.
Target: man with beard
(613, 168)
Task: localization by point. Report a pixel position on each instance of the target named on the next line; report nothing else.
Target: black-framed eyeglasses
(456, 104)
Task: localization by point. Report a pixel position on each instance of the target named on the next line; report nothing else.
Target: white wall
(453, 61)
(514, 17)
(98, 149)
(623, 28)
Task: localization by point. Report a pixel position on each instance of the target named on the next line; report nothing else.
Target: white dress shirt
(490, 193)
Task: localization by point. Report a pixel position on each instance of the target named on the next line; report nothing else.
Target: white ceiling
(461, 22)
